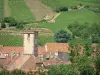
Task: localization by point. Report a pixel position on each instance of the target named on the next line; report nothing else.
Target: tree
(3, 25)
(20, 26)
(97, 65)
(8, 19)
(13, 23)
(95, 33)
(62, 36)
(79, 30)
(84, 64)
(62, 70)
(4, 72)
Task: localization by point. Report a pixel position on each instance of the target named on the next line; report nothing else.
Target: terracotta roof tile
(41, 50)
(55, 62)
(9, 49)
(57, 47)
(7, 61)
(19, 62)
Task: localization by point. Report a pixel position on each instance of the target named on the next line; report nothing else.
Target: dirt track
(39, 10)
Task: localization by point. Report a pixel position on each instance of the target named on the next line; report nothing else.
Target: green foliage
(92, 32)
(96, 10)
(8, 19)
(97, 65)
(20, 26)
(95, 33)
(79, 30)
(61, 9)
(4, 72)
(13, 23)
(62, 36)
(17, 72)
(62, 70)
(3, 25)
(84, 65)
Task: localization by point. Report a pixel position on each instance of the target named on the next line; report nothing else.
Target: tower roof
(31, 32)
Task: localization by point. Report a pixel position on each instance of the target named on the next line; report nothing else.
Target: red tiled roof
(57, 47)
(18, 62)
(41, 50)
(1, 55)
(55, 62)
(7, 60)
(14, 59)
(9, 49)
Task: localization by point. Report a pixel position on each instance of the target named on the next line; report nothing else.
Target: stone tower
(30, 43)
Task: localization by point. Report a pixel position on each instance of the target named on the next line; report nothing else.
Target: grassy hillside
(1, 8)
(20, 11)
(60, 3)
(82, 16)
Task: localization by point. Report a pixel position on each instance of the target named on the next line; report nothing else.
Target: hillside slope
(39, 10)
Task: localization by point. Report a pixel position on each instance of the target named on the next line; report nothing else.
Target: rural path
(40, 10)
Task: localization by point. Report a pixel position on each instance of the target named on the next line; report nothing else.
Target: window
(28, 37)
(6, 54)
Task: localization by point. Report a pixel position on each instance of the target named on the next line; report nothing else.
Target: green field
(67, 3)
(82, 16)
(1, 9)
(20, 11)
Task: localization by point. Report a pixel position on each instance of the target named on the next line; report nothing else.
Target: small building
(57, 50)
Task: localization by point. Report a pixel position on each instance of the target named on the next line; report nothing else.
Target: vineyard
(20, 11)
(9, 39)
(1, 9)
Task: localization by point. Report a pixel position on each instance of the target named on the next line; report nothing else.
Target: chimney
(30, 43)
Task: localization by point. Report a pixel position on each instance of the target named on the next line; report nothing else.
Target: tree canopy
(62, 36)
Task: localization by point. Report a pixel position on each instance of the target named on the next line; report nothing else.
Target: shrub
(4, 72)
(20, 26)
(8, 19)
(18, 72)
(3, 25)
(87, 6)
(62, 9)
(62, 36)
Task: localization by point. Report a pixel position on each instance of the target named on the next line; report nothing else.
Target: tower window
(28, 37)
